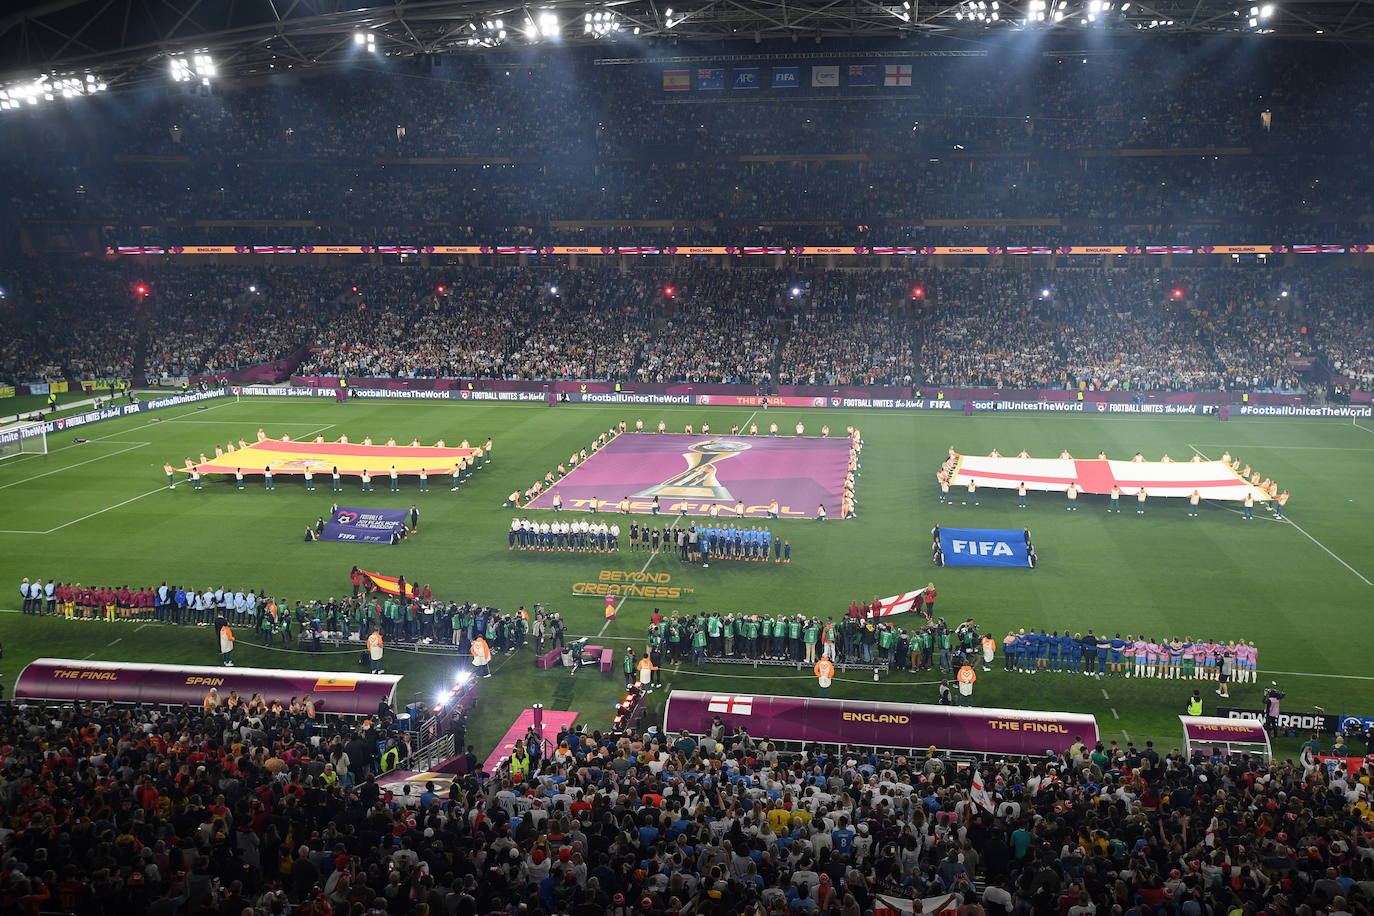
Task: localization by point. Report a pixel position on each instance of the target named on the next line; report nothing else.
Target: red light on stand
(1177, 294)
(918, 293)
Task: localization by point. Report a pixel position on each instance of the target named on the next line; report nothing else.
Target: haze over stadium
(745, 395)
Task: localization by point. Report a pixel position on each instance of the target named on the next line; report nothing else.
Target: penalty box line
(1303, 531)
(123, 502)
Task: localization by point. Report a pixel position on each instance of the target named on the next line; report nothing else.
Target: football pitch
(100, 512)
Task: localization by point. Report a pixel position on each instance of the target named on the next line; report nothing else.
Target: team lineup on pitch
(895, 495)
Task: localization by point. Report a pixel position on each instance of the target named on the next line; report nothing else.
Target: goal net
(23, 439)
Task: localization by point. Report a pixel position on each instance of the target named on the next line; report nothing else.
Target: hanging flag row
(407, 250)
(827, 77)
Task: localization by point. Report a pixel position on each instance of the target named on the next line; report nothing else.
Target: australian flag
(861, 75)
(711, 78)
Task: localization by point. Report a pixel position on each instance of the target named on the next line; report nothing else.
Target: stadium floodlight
(1266, 11)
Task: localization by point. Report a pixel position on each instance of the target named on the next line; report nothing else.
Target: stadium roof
(126, 42)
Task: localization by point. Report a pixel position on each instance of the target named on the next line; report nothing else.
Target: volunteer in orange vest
(1193, 499)
(374, 651)
(825, 674)
(226, 645)
(610, 607)
(989, 648)
(481, 656)
(966, 677)
(1249, 503)
(646, 670)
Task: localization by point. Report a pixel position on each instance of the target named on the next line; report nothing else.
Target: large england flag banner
(900, 604)
(1211, 479)
(984, 547)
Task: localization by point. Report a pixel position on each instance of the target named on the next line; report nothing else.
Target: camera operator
(1272, 696)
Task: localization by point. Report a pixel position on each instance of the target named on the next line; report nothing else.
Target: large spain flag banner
(286, 457)
(1211, 479)
(391, 585)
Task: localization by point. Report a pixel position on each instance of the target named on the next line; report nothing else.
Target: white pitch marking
(16, 483)
(1303, 530)
(103, 511)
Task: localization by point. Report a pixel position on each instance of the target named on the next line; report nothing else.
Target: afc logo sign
(982, 548)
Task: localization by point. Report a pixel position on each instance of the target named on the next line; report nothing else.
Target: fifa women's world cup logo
(699, 480)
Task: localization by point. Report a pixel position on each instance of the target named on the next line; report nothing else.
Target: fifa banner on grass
(984, 547)
(364, 526)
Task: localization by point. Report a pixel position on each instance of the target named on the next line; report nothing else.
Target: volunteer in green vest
(810, 636)
(886, 640)
(794, 637)
(698, 645)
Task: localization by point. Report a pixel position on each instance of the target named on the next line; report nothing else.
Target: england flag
(897, 75)
(739, 706)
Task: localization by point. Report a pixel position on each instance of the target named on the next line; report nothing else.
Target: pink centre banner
(743, 476)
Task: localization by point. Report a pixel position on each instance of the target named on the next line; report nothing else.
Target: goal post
(26, 438)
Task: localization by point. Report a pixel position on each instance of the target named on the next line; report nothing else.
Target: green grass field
(100, 513)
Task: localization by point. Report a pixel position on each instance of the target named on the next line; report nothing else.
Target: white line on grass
(1359, 575)
(1114, 715)
(621, 602)
(16, 483)
(113, 641)
(1361, 426)
(1127, 735)
(103, 511)
(1104, 694)
(1347, 677)
(1296, 448)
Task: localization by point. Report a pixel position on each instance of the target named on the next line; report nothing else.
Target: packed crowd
(1134, 328)
(238, 809)
(577, 142)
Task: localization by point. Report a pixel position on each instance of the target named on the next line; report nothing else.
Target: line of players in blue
(752, 544)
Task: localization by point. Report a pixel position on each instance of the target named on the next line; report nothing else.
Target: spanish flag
(389, 584)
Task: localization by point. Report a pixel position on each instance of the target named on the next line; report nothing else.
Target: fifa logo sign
(982, 548)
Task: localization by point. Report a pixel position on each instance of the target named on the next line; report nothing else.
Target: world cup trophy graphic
(699, 480)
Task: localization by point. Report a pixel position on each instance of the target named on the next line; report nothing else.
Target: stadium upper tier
(1118, 148)
(1139, 327)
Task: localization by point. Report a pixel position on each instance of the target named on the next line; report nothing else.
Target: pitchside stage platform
(1211, 479)
(692, 473)
(286, 457)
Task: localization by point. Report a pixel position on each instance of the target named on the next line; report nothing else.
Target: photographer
(1272, 696)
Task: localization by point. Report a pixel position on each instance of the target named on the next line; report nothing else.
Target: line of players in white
(588, 537)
